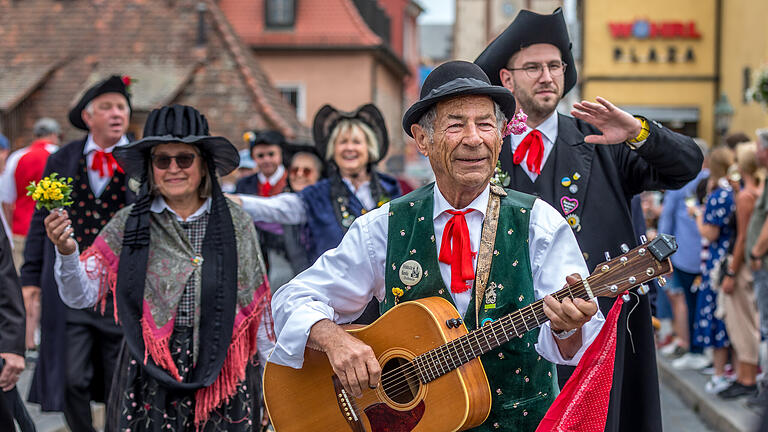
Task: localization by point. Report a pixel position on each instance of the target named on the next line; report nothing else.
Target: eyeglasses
(534, 70)
(183, 160)
(303, 170)
(262, 155)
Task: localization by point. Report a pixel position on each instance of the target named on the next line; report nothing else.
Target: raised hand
(615, 124)
(59, 230)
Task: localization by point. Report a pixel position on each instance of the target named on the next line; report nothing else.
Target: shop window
(689, 56)
(747, 83)
(652, 57)
(671, 54)
(280, 14)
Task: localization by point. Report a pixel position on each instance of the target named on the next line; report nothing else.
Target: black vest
(89, 214)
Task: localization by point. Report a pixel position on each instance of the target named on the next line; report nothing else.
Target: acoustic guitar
(432, 378)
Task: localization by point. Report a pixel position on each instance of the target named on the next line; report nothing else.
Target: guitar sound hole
(399, 380)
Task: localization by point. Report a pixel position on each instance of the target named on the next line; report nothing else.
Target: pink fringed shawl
(171, 262)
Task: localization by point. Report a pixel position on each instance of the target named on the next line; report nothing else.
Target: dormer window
(280, 14)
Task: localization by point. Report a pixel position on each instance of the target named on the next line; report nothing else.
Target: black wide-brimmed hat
(529, 28)
(171, 124)
(269, 137)
(328, 117)
(113, 84)
(452, 79)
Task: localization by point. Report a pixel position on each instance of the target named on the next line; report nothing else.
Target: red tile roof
(222, 78)
(325, 23)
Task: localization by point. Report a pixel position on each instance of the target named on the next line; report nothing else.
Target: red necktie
(264, 189)
(533, 145)
(457, 252)
(105, 164)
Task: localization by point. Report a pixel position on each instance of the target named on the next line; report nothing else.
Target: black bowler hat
(529, 28)
(456, 78)
(328, 117)
(268, 137)
(113, 84)
(171, 124)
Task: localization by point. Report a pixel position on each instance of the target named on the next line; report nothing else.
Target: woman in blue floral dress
(716, 224)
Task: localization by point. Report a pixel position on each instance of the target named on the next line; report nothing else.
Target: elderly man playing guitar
(485, 250)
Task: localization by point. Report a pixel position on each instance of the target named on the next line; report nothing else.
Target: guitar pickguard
(386, 419)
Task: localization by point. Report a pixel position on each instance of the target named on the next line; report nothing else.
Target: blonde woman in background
(738, 297)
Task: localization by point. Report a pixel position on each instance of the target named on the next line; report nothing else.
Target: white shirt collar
(274, 178)
(159, 205)
(548, 128)
(91, 145)
(480, 203)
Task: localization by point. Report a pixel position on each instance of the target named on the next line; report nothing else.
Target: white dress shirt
(79, 291)
(343, 280)
(274, 178)
(97, 182)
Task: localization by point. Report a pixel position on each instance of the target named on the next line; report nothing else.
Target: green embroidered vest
(522, 383)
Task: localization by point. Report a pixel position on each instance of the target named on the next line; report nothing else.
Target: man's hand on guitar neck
(352, 360)
(568, 315)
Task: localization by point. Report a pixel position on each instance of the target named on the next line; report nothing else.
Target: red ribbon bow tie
(534, 146)
(105, 164)
(457, 251)
(265, 189)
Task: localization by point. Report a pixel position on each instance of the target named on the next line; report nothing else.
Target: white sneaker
(691, 361)
(716, 384)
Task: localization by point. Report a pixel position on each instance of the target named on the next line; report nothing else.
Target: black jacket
(12, 315)
(609, 176)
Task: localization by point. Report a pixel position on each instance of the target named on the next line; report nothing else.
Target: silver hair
(46, 126)
(427, 120)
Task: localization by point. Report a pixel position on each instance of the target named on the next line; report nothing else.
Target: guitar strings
(578, 288)
(403, 375)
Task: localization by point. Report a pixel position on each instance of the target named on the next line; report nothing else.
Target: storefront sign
(646, 29)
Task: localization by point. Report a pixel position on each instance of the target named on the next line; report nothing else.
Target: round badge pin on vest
(565, 181)
(485, 321)
(573, 189)
(410, 272)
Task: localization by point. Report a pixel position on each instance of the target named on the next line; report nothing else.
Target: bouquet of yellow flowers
(52, 192)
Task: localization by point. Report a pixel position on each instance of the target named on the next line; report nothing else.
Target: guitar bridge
(347, 406)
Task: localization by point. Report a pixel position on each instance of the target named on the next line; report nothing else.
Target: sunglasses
(262, 155)
(303, 170)
(183, 160)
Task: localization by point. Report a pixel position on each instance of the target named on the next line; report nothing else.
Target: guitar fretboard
(455, 353)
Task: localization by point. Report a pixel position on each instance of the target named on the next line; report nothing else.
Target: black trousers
(92, 353)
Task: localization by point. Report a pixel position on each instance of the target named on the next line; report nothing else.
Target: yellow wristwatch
(645, 131)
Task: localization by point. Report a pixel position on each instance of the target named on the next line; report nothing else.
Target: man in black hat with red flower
(589, 168)
(78, 348)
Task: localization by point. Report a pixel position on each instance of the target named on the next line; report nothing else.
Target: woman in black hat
(351, 143)
(187, 274)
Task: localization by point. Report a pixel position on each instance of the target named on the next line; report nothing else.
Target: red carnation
(127, 80)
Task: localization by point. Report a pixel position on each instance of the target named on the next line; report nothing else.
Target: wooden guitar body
(312, 399)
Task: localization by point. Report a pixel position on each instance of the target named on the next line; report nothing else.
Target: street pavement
(680, 413)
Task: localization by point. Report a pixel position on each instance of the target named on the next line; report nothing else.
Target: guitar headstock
(635, 267)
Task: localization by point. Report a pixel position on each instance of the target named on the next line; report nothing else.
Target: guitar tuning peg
(607, 256)
(643, 289)
(624, 248)
(662, 281)
(643, 239)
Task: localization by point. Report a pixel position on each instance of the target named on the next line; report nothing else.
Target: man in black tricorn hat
(486, 250)
(589, 167)
(78, 348)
